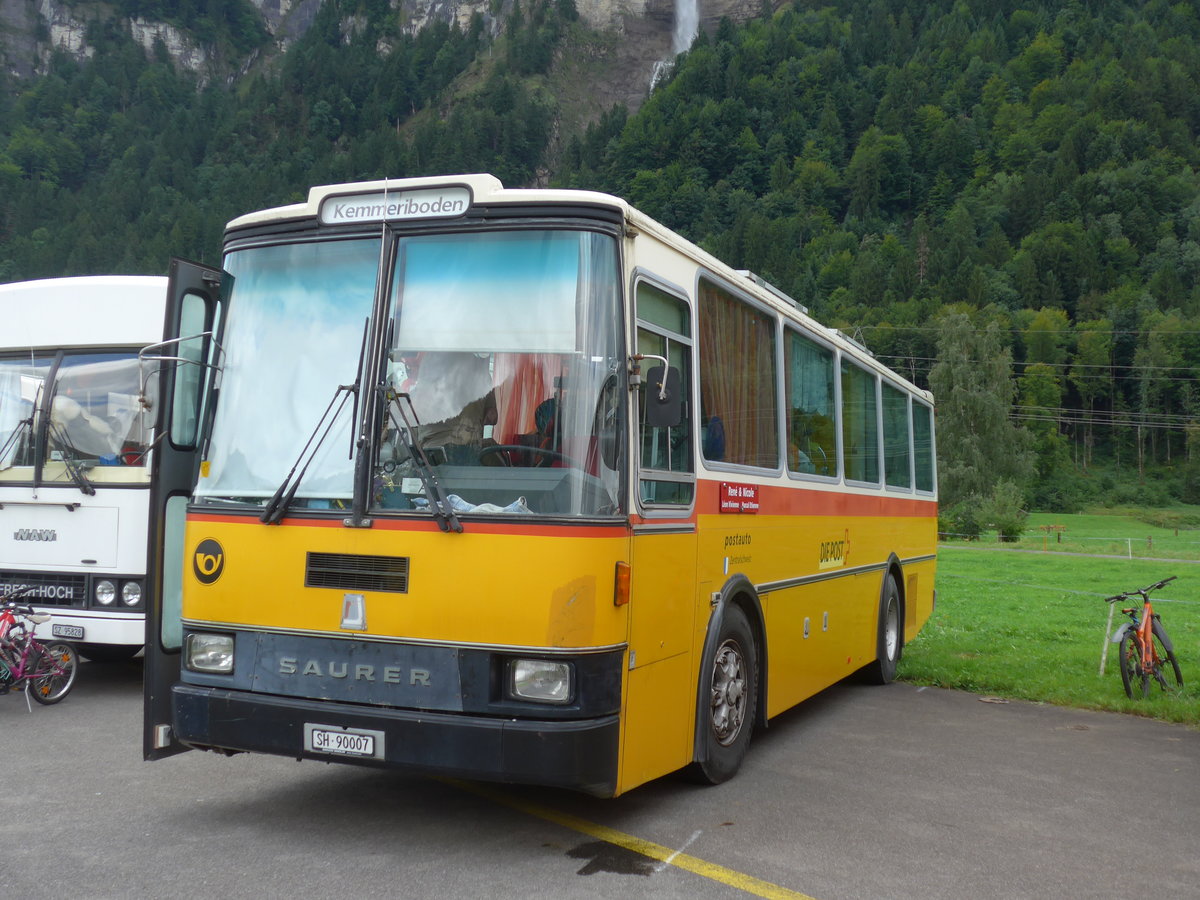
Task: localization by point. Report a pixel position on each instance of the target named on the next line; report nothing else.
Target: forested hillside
(998, 197)
(119, 163)
(962, 182)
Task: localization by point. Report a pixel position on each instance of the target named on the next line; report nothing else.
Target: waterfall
(687, 26)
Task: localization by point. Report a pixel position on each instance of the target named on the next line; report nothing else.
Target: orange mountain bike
(1146, 652)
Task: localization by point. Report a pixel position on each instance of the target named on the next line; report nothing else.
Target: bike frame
(21, 653)
(1143, 633)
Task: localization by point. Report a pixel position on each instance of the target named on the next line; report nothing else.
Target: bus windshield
(294, 334)
(95, 431)
(503, 375)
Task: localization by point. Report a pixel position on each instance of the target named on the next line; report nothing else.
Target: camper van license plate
(343, 741)
(74, 632)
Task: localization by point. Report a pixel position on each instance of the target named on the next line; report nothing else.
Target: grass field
(1033, 625)
(1147, 534)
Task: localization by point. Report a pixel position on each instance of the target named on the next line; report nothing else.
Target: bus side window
(923, 446)
(860, 424)
(737, 379)
(897, 458)
(811, 404)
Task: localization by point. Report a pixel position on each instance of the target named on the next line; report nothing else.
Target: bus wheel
(727, 708)
(888, 643)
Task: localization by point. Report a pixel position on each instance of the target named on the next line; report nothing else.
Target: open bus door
(179, 378)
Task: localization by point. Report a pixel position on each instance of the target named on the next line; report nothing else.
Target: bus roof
(447, 196)
(86, 311)
(482, 189)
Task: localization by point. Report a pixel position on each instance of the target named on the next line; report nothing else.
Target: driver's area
(505, 433)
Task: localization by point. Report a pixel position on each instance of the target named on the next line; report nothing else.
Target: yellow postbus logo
(208, 561)
(834, 554)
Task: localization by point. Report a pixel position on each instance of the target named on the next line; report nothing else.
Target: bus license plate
(356, 742)
(74, 632)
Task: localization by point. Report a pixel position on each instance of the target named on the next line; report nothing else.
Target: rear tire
(728, 702)
(889, 643)
(54, 673)
(1168, 665)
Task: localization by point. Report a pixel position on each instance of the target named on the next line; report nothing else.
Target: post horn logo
(209, 561)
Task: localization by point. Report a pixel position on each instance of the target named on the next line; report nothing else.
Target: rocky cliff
(632, 35)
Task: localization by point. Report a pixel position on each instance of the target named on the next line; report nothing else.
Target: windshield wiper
(439, 503)
(11, 445)
(278, 505)
(74, 469)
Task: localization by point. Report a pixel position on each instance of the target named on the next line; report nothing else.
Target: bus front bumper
(577, 754)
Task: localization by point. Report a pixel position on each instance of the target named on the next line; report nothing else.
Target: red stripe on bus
(797, 500)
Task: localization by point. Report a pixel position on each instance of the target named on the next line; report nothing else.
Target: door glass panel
(171, 627)
(665, 453)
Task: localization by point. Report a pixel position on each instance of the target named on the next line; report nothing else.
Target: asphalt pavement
(893, 792)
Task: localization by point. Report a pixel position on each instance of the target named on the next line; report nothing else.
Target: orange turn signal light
(621, 588)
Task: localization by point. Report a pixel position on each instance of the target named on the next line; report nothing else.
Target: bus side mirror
(664, 397)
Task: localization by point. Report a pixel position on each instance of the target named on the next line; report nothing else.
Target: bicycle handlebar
(1141, 592)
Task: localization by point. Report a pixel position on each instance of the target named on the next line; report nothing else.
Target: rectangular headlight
(542, 680)
(209, 653)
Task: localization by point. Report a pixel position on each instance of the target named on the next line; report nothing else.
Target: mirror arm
(635, 372)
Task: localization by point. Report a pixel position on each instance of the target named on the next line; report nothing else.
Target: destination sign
(388, 206)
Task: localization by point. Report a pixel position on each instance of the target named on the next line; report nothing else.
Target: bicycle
(44, 671)
(1145, 650)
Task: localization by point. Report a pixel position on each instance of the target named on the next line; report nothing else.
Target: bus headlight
(106, 592)
(542, 680)
(131, 593)
(209, 653)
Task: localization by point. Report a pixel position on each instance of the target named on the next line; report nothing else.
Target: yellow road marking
(712, 871)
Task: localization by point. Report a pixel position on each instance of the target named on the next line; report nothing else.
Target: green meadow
(1019, 621)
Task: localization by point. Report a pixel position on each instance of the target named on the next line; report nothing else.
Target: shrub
(1003, 511)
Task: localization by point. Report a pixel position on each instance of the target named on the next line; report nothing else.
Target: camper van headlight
(131, 593)
(106, 592)
(209, 653)
(542, 680)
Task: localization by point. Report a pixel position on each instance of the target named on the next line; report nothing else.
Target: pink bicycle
(44, 671)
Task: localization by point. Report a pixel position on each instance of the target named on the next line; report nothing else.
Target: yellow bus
(516, 485)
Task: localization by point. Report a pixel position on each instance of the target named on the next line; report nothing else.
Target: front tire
(728, 706)
(1132, 675)
(54, 673)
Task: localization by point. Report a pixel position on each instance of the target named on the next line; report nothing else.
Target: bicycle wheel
(1132, 676)
(53, 672)
(1167, 665)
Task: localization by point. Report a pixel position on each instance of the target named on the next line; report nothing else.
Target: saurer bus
(517, 485)
(74, 448)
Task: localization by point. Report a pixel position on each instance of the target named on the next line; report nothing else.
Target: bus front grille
(45, 588)
(348, 572)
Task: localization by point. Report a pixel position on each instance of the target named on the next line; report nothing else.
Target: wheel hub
(728, 693)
